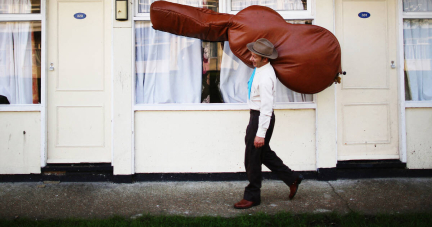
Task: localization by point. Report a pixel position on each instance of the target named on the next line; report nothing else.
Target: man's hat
(263, 48)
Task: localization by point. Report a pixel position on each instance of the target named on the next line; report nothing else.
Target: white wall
(419, 138)
(20, 142)
(122, 95)
(213, 141)
(326, 105)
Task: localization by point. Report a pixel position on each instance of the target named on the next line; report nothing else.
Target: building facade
(90, 81)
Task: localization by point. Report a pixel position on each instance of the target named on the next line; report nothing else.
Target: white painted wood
(216, 106)
(79, 87)
(367, 157)
(326, 130)
(419, 143)
(19, 108)
(21, 17)
(416, 15)
(368, 98)
(122, 101)
(44, 131)
(213, 141)
(20, 137)
(418, 104)
(401, 87)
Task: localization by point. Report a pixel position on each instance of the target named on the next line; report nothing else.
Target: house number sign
(80, 15)
(364, 15)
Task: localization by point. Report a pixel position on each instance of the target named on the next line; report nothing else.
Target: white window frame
(30, 17)
(223, 4)
(403, 16)
(404, 104)
(287, 15)
(43, 99)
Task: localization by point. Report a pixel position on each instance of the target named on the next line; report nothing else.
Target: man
(261, 98)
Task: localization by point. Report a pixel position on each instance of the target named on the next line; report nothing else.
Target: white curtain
(144, 5)
(417, 5)
(274, 4)
(16, 55)
(15, 6)
(418, 56)
(234, 76)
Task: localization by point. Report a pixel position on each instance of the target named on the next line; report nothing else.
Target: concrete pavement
(101, 200)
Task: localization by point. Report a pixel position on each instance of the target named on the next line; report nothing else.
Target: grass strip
(256, 220)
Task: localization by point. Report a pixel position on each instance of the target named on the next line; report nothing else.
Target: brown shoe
(245, 204)
(294, 186)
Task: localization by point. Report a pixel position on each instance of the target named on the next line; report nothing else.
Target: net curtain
(16, 55)
(418, 52)
(169, 69)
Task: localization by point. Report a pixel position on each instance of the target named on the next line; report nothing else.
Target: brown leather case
(309, 56)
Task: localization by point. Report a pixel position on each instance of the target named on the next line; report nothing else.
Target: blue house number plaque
(80, 15)
(364, 15)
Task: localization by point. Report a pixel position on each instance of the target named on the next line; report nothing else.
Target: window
(417, 46)
(19, 6)
(176, 69)
(278, 5)
(20, 54)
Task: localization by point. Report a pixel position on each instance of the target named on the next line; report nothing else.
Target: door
(79, 89)
(367, 98)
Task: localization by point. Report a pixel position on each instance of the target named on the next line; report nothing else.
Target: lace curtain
(418, 56)
(16, 55)
(169, 69)
(417, 5)
(274, 4)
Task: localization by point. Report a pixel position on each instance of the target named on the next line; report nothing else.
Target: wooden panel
(80, 46)
(365, 45)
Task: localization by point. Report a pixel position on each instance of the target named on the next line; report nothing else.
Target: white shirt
(263, 96)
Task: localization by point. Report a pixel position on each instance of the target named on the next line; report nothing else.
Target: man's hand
(258, 142)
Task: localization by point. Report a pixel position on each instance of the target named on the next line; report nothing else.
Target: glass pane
(19, 6)
(168, 67)
(211, 65)
(299, 21)
(176, 69)
(417, 54)
(417, 5)
(20, 62)
(280, 5)
(144, 5)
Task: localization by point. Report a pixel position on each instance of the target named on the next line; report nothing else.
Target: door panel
(367, 97)
(79, 122)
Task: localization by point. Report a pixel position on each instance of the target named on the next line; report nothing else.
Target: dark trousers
(255, 157)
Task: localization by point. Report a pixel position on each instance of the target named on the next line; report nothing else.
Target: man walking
(261, 98)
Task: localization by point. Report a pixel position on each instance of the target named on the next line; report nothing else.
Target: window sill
(418, 104)
(21, 108)
(218, 106)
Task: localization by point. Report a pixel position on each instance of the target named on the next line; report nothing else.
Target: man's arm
(266, 110)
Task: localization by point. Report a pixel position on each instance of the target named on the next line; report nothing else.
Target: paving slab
(101, 200)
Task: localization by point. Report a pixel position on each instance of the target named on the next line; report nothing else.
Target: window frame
(408, 15)
(42, 19)
(223, 4)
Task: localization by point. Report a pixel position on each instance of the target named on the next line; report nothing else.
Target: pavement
(44, 200)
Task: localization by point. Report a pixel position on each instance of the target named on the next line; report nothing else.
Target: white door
(367, 98)
(79, 89)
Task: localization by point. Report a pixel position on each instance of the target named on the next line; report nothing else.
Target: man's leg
(273, 162)
(253, 161)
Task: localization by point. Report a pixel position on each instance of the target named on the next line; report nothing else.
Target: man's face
(257, 60)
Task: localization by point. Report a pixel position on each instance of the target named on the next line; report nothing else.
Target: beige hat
(263, 48)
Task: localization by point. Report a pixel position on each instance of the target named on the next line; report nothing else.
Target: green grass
(260, 219)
